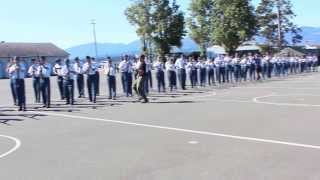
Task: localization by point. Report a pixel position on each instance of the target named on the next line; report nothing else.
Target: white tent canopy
(218, 50)
(249, 48)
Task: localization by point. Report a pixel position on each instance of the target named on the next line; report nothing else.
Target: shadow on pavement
(17, 117)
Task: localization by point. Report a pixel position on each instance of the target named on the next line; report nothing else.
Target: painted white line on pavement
(292, 88)
(259, 101)
(193, 142)
(17, 145)
(269, 141)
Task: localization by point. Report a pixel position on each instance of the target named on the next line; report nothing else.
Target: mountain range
(311, 35)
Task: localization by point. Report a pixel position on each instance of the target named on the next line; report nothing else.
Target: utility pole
(93, 22)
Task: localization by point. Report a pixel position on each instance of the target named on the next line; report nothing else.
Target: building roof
(290, 52)
(31, 50)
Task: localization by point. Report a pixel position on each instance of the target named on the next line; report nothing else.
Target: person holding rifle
(57, 71)
(97, 78)
(124, 68)
(80, 77)
(172, 75)
(35, 79)
(44, 71)
(91, 69)
(110, 71)
(12, 81)
(181, 71)
(17, 72)
(159, 66)
(69, 76)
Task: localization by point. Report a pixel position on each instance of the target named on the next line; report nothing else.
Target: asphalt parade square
(259, 130)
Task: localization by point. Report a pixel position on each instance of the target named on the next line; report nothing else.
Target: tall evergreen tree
(158, 22)
(139, 15)
(275, 22)
(200, 23)
(169, 26)
(234, 23)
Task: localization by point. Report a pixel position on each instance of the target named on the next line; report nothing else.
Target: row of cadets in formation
(222, 69)
(40, 72)
(139, 68)
(128, 68)
(90, 67)
(70, 72)
(225, 69)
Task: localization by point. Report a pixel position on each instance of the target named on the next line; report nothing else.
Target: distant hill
(311, 36)
(104, 49)
(117, 49)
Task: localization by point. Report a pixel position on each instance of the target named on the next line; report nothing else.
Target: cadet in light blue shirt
(17, 72)
(160, 67)
(181, 71)
(110, 72)
(44, 71)
(90, 68)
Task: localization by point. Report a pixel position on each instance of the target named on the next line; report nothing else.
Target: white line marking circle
(16, 146)
(259, 101)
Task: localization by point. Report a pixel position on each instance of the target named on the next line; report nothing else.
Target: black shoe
(145, 101)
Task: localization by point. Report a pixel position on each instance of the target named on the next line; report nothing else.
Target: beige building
(28, 51)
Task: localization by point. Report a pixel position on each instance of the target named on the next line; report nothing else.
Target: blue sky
(66, 22)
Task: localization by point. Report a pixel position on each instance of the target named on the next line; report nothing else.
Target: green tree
(233, 23)
(200, 23)
(275, 22)
(139, 15)
(160, 24)
(169, 26)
